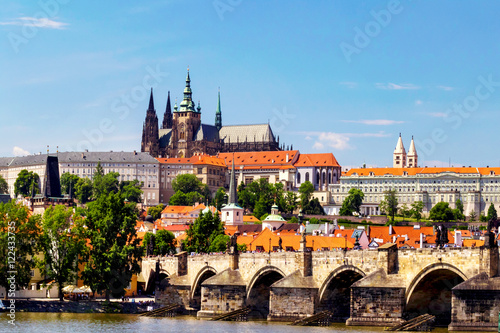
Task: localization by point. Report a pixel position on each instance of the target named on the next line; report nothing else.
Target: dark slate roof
(289, 227)
(5, 161)
(207, 132)
(29, 160)
(250, 228)
(242, 133)
(71, 157)
(106, 156)
(165, 134)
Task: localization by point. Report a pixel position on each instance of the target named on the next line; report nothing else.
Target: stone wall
(376, 306)
(288, 304)
(216, 300)
(476, 304)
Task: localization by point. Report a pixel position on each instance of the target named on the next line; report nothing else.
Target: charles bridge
(381, 287)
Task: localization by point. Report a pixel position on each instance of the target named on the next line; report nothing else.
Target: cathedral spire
(218, 115)
(187, 104)
(233, 195)
(151, 103)
(167, 117)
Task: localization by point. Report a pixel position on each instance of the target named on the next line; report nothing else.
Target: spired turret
(399, 155)
(218, 115)
(412, 155)
(187, 104)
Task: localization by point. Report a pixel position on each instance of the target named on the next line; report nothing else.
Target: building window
(307, 176)
(298, 178)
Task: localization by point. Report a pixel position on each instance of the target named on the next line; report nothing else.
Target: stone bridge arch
(195, 293)
(259, 287)
(334, 293)
(430, 291)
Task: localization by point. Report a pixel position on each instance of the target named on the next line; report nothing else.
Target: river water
(86, 322)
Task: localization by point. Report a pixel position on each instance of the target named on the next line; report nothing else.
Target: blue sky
(330, 76)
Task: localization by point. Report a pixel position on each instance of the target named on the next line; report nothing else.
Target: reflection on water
(83, 322)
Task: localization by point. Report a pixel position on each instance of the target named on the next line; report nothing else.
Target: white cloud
(393, 86)
(445, 88)
(334, 140)
(349, 84)
(419, 102)
(382, 122)
(36, 22)
(18, 151)
(339, 141)
(438, 114)
(308, 138)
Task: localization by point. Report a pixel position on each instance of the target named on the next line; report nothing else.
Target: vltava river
(96, 323)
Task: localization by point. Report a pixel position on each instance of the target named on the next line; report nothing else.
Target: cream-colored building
(477, 188)
(130, 166)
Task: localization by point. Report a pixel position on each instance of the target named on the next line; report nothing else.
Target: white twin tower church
(403, 160)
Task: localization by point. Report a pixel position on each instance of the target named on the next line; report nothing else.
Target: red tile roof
(315, 160)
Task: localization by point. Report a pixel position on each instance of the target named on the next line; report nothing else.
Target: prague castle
(183, 135)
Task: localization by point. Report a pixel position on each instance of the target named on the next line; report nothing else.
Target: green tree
(62, 240)
(389, 204)
(26, 182)
(460, 206)
(114, 253)
(18, 234)
(293, 220)
(130, 189)
(186, 183)
(109, 183)
(405, 211)
(178, 199)
(164, 242)
(155, 211)
(219, 244)
(260, 208)
(83, 190)
(4, 187)
(291, 200)
(203, 232)
(472, 215)
(483, 218)
(306, 190)
(219, 198)
(246, 198)
(441, 212)
(353, 201)
(314, 208)
(69, 181)
(416, 210)
(492, 213)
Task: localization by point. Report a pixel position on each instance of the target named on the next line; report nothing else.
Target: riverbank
(80, 306)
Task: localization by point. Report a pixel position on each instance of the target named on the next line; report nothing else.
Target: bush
(314, 220)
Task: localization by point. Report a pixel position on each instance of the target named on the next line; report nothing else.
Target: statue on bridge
(232, 245)
(490, 240)
(441, 236)
(151, 246)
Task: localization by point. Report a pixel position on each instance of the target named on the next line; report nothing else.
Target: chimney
(421, 240)
(327, 228)
(390, 229)
(287, 157)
